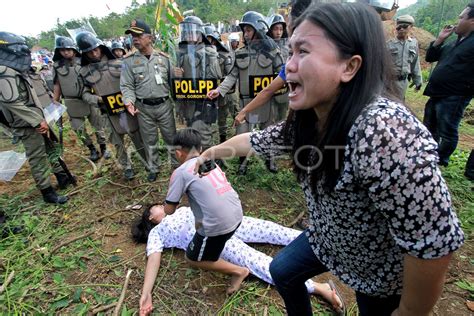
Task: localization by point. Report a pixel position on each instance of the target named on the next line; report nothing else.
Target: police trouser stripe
(201, 251)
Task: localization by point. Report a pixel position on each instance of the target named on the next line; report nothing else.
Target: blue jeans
(296, 263)
(442, 118)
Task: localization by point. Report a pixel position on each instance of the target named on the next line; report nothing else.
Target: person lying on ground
(160, 231)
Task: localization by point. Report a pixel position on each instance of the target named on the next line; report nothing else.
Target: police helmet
(63, 42)
(210, 30)
(86, 41)
(118, 45)
(191, 28)
(382, 5)
(14, 52)
(274, 20)
(255, 20)
(234, 37)
(379, 5)
(277, 18)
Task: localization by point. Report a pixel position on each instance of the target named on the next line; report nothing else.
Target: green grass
(461, 189)
(44, 282)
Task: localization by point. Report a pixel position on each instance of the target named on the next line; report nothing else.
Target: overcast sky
(27, 17)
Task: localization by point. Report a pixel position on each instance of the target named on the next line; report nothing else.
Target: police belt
(401, 78)
(156, 101)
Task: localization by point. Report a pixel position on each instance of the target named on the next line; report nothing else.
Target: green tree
(438, 13)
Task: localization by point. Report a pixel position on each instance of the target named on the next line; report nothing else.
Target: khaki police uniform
(22, 110)
(41, 88)
(280, 102)
(405, 56)
(251, 61)
(232, 98)
(226, 104)
(104, 78)
(146, 84)
(66, 73)
(201, 63)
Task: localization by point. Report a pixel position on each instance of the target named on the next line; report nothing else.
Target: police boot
(94, 154)
(15, 140)
(128, 174)
(242, 167)
(50, 196)
(469, 173)
(104, 152)
(63, 180)
(152, 176)
(271, 166)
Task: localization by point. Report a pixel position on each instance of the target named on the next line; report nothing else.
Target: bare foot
(236, 281)
(324, 290)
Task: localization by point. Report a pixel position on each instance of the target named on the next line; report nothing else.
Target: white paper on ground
(10, 163)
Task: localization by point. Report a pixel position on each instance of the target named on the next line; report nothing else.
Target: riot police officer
(22, 110)
(257, 61)
(67, 85)
(145, 82)
(225, 62)
(198, 60)
(234, 40)
(118, 50)
(100, 71)
(279, 34)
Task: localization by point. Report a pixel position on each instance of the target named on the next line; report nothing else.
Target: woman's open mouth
(294, 88)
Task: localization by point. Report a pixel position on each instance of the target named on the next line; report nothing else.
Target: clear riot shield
(201, 74)
(104, 78)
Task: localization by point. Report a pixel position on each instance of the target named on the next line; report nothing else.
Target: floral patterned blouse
(389, 200)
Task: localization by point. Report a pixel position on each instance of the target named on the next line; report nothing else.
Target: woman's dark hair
(298, 7)
(355, 29)
(142, 226)
(470, 15)
(187, 139)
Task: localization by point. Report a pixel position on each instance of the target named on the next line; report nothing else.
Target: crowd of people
(381, 218)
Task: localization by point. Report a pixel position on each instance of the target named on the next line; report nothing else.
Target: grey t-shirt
(215, 204)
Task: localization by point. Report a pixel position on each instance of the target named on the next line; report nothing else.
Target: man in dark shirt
(451, 84)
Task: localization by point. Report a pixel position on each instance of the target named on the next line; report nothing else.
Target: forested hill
(430, 15)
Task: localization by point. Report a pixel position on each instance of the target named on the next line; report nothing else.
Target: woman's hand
(213, 94)
(146, 305)
(240, 118)
(199, 161)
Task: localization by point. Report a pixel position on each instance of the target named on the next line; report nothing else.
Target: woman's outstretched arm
(151, 271)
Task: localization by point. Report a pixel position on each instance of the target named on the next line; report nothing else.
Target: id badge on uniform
(158, 78)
